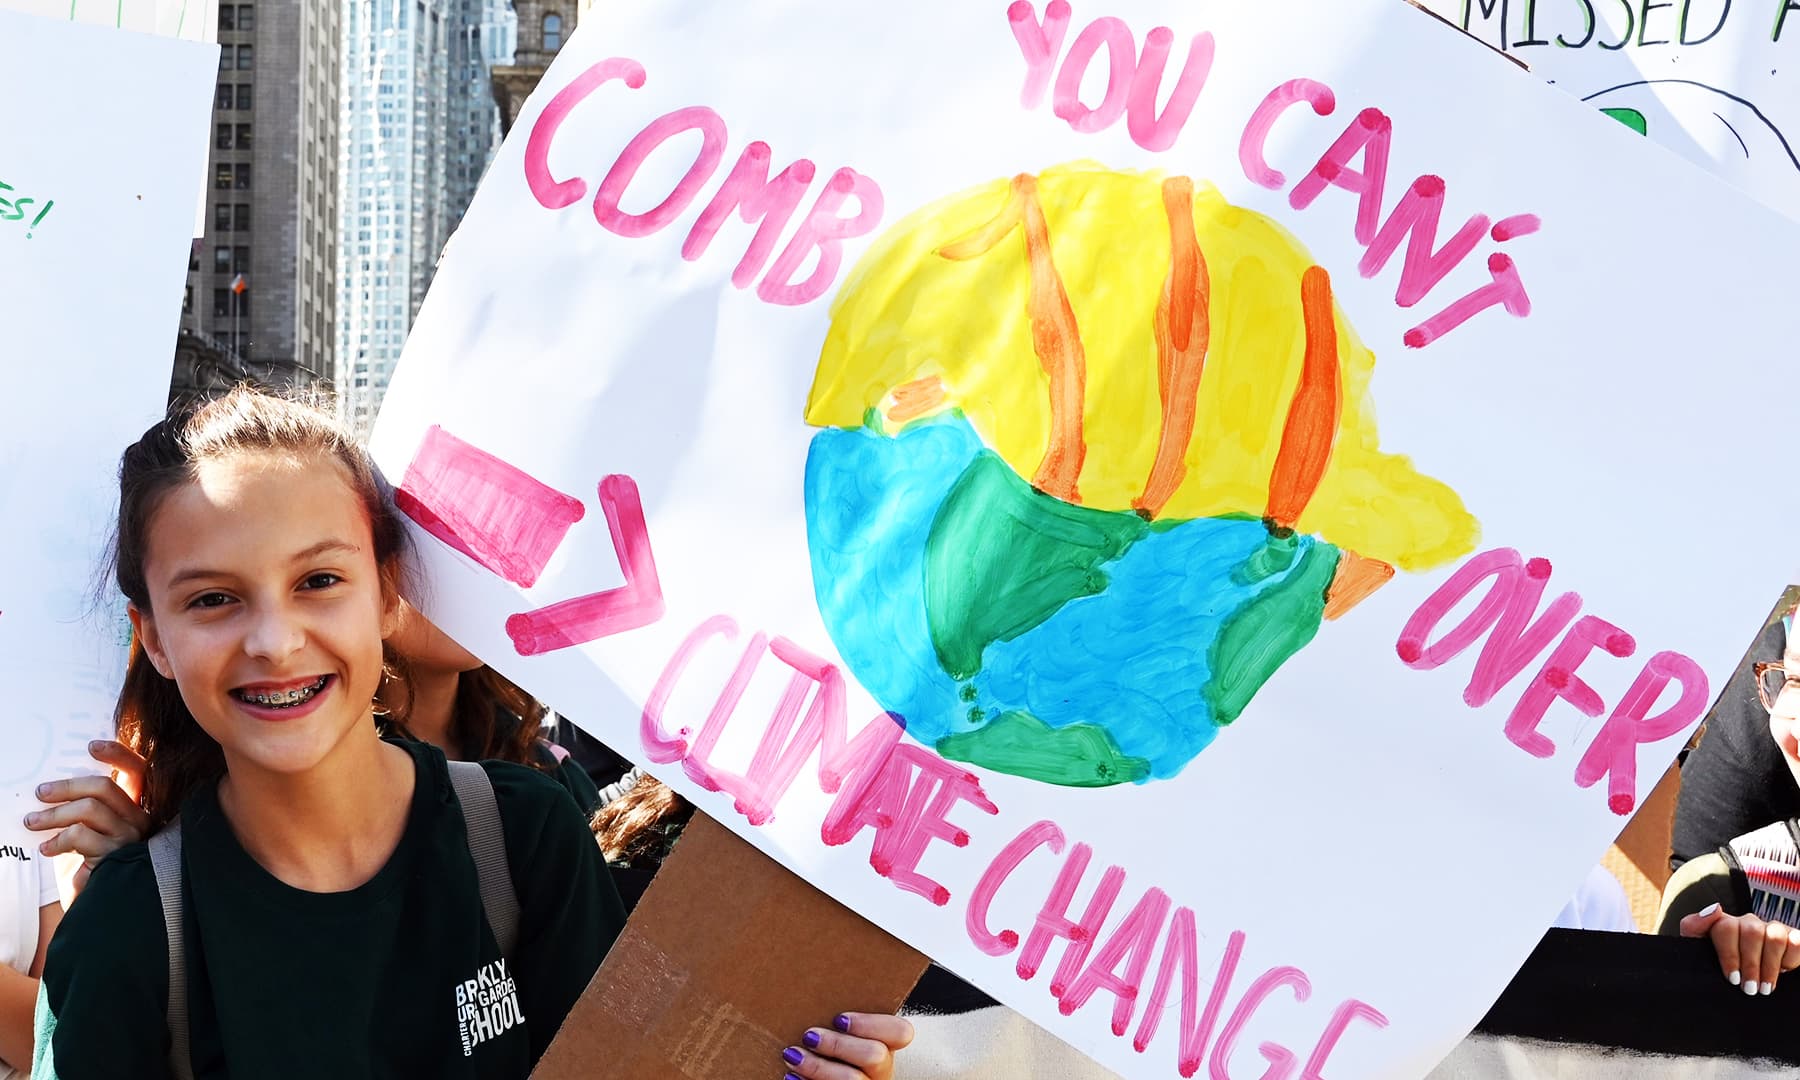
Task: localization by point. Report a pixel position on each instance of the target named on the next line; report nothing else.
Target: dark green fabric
(576, 782)
(361, 984)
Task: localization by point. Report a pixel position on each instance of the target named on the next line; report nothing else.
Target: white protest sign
(1716, 81)
(1229, 439)
(97, 187)
(191, 20)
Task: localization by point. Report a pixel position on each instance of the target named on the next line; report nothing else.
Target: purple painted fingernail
(792, 1055)
(791, 1076)
(842, 1023)
(811, 1039)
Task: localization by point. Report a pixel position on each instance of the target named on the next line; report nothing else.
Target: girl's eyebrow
(323, 547)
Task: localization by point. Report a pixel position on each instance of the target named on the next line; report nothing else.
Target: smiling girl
(332, 918)
(331, 914)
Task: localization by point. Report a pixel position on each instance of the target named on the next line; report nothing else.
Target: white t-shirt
(27, 883)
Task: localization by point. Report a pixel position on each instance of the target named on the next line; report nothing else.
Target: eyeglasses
(1772, 678)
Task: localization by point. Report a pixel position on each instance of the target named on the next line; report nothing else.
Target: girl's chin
(299, 748)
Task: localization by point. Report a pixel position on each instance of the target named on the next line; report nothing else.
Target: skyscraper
(262, 284)
(419, 128)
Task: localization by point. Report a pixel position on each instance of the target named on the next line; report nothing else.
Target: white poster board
(98, 183)
(1716, 81)
(190, 20)
(747, 411)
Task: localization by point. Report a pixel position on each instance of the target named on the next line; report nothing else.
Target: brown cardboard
(728, 959)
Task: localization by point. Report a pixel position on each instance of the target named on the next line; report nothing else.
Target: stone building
(271, 202)
(543, 27)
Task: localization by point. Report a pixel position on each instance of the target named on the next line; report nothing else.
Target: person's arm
(569, 912)
(18, 995)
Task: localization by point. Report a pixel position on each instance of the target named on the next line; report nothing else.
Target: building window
(225, 99)
(226, 22)
(241, 217)
(240, 261)
(243, 136)
(246, 56)
(222, 176)
(222, 218)
(243, 177)
(552, 32)
(221, 302)
(223, 141)
(221, 260)
(243, 96)
(246, 17)
(187, 301)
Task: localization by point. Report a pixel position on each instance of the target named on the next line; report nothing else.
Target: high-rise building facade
(262, 283)
(419, 127)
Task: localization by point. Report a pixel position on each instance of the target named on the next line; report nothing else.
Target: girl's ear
(143, 624)
(390, 601)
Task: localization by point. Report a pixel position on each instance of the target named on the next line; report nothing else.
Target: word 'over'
(1517, 635)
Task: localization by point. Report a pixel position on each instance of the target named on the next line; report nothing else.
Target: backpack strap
(165, 860)
(487, 846)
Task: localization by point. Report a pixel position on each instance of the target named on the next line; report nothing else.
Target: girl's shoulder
(117, 921)
(532, 800)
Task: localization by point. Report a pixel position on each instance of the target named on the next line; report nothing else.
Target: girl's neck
(433, 709)
(331, 828)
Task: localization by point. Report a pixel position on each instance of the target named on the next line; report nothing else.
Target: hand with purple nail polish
(857, 1046)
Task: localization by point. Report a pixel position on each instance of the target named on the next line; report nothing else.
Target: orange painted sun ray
(1312, 418)
(1055, 336)
(1356, 580)
(1183, 331)
(914, 399)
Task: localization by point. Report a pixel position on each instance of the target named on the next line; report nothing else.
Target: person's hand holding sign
(857, 1046)
(1752, 953)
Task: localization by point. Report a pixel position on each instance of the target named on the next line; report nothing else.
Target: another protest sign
(962, 465)
(97, 191)
(191, 20)
(1713, 80)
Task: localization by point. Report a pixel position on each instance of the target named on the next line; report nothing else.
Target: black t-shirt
(1736, 780)
(399, 977)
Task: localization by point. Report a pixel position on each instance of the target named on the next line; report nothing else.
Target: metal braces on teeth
(285, 697)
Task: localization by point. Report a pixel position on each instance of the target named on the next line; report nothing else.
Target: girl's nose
(275, 635)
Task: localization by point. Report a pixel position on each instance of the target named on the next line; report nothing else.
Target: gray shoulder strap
(487, 846)
(165, 859)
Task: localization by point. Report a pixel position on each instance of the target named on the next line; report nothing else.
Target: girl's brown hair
(482, 718)
(151, 717)
(638, 827)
